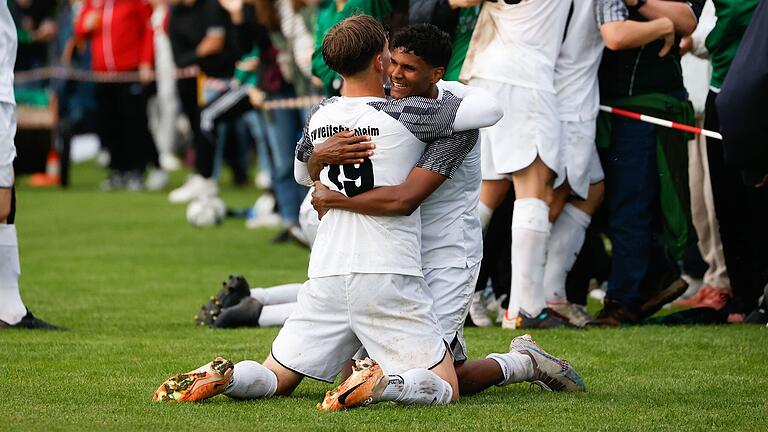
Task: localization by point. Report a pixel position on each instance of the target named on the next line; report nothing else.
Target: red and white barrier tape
(661, 122)
(67, 73)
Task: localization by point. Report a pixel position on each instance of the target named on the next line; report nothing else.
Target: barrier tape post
(661, 122)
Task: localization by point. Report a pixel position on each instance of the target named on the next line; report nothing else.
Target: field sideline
(126, 274)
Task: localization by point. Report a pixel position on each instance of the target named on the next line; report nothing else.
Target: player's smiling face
(410, 75)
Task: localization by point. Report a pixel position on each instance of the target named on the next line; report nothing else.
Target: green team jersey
(733, 17)
(327, 17)
(461, 38)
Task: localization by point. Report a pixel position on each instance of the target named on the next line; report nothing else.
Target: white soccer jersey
(355, 243)
(452, 235)
(578, 93)
(8, 46)
(517, 42)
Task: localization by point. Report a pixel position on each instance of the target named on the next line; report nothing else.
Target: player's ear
(379, 62)
(437, 74)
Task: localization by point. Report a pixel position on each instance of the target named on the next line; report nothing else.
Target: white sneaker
(269, 220)
(156, 179)
(195, 186)
(262, 180)
(507, 322)
(169, 162)
(477, 311)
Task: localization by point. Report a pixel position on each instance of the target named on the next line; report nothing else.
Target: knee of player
(5, 210)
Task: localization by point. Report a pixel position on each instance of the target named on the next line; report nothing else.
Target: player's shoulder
(414, 106)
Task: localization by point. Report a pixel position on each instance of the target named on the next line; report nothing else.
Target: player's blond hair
(351, 44)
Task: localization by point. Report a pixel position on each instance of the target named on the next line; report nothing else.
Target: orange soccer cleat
(202, 383)
(362, 388)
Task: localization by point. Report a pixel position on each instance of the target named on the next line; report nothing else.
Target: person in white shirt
(512, 54)
(13, 312)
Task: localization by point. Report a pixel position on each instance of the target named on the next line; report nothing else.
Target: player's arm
(478, 108)
(400, 200)
(683, 14)
(439, 162)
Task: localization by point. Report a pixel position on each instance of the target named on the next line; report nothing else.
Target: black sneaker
(759, 315)
(548, 318)
(31, 322)
(244, 314)
(234, 289)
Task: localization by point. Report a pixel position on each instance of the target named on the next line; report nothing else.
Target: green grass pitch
(126, 274)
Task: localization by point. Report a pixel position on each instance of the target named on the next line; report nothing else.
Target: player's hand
(668, 36)
(344, 148)
(321, 199)
(630, 3)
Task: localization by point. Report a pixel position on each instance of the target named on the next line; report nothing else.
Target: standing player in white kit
(13, 313)
(512, 54)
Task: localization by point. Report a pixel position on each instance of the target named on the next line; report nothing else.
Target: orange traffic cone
(52, 175)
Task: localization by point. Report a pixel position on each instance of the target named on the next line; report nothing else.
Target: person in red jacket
(121, 39)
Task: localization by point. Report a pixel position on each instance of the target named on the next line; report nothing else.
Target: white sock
(275, 315)
(563, 248)
(485, 213)
(515, 366)
(277, 294)
(417, 387)
(12, 309)
(530, 232)
(251, 380)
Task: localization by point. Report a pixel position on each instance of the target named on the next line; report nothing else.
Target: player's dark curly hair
(426, 41)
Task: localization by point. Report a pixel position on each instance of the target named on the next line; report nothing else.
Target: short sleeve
(607, 11)
(445, 155)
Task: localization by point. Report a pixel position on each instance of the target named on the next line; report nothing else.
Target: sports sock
(12, 309)
(275, 315)
(251, 380)
(417, 387)
(515, 366)
(563, 248)
(277, 294)
(530, 231)
(485, 213)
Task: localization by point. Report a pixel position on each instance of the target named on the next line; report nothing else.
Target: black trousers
(204, 147)
(123, 127)
(742, 212)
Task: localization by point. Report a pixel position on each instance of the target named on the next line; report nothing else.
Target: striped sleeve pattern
(607, 11)
(427, 119)
(304, 147)
(445, 155)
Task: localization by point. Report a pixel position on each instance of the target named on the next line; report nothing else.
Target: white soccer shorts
(580, 161)
(530, 127)
(390, 315)
(451, 289)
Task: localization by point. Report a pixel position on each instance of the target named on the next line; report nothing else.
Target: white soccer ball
(206, 211)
